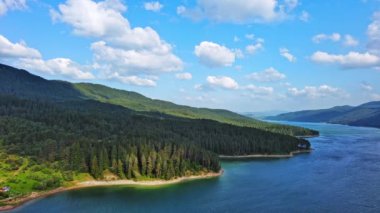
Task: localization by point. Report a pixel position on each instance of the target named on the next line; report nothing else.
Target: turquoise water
(342, 174)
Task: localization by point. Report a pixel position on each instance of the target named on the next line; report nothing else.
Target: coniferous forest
(91, 137)
(51, 137)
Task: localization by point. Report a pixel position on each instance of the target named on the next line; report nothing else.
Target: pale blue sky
(243, 55)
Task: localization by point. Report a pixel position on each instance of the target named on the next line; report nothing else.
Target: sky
(241, 55)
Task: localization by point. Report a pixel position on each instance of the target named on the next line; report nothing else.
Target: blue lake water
(342, 174)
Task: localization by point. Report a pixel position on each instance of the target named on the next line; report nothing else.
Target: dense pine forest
(49, 136)
(92, 137)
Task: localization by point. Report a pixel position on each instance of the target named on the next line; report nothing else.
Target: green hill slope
(17, 82)
(23, 84)
(139, 102)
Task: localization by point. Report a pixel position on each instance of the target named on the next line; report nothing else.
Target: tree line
(89, 136)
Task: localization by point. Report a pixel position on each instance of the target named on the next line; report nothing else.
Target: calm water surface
(342, 174)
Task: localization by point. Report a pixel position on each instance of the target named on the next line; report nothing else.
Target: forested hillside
(51, 135)
(23, 84)
(363, 115)
(139, 102)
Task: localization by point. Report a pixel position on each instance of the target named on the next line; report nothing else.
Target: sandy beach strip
(13, 203)
(291, 154)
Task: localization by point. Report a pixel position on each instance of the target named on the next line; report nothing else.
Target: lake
(342, 174)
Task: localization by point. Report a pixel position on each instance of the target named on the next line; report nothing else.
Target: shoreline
(307, 136)
(291, 154)
(13, 203)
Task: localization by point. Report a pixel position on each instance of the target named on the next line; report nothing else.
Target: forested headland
(51, 135)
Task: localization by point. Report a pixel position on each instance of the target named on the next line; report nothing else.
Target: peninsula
(55, 136)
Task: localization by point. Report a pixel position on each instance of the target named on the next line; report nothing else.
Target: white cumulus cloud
(95, 19)
(134, 80)
(286, 54)
(6, 5)
(259, 90)
(350, 41)
(291, 4)
(250, 36)
(314, 92)
(121, 50)
(132, 61)
(57, 66)
(154, 6)
(323, 37)
(268, 75)
(214, 55)
(16, 50)
(349, 60)
(184, 76)
(373, 32)
(239, 11)
(20, 55)
(253, 48)
(223, 82)
(305, 16)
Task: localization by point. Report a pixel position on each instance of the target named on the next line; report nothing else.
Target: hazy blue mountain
(367, 114)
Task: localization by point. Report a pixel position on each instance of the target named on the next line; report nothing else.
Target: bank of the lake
(13, 203)
(237, 157)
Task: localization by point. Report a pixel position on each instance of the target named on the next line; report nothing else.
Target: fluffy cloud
(223, 82)
(350, 60)
(347, 40)
(267, 75)
(154, 6)
(313, 92)
(57, 66)
(350, 41)
(132, 61)
(259, 90)
(323, 37)
(238, 53)
(6, 5)
(238, 11)
(250, 36)
(286, 54)
(184, 76)
(20, 55)
(121, 51)
(373, 32)
(134, 80)
(291, 4)
(214, 55)
(90, 18)
(253, 48)
(305, 16)
(16, 50)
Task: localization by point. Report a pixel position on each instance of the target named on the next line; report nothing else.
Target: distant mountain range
(367, 115)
